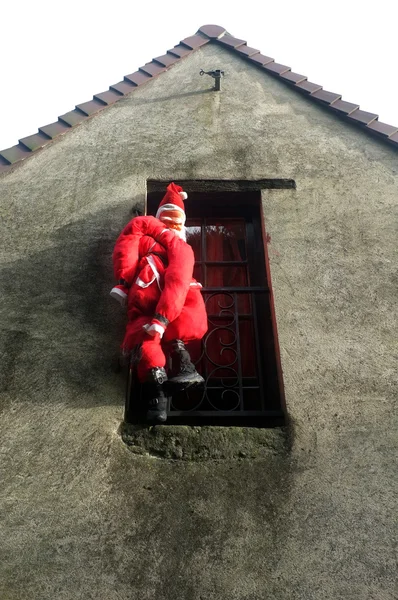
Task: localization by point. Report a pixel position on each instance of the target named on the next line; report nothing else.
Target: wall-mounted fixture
(216, 74)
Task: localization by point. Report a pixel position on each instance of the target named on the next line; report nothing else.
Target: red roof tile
(137, 78)
(124, 87)
(232, 42)
(276, 68)
(15, 153)
(308, 86)
(166, 60)
(244, 49)
(344, 107)
(394, 138)
(325, 96)
(35, 141)
(261, 59)
(91, 107)
(363, 117)
(74, 117)
(54, 129)
(152, 69)
(293, 77)
(207, 33)
(212, 31)
(194, 41)
(108, 97)
(382, 128)
(180, 51)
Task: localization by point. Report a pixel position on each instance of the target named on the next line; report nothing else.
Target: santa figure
(154, 264)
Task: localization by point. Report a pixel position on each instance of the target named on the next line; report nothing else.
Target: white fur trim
(142, 283)
(118, 295)
(155, 271)
(154, 328)
(196, 284)
(170, 207)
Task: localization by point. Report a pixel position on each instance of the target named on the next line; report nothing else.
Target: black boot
(155, 396)
(184, 374)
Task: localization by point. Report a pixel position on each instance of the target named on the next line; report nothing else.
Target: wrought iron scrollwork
(222, 390)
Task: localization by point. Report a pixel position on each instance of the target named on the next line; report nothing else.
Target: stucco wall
(307, 514)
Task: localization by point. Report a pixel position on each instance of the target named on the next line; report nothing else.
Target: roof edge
(348, 111)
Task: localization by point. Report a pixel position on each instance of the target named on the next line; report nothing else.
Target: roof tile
(35, 141)
(74, 117)
(91, 107)
(194, 41)
(54, 129)
(362, 116)
(293, 77)
(108, 97)
(180, 51)
(232, 42)
(344, 107)
(276, 68)
(166, 60)
(124, 87)
(394, 138)
(308, 86)
(152, 69)
(161, 63)
(325, 96)
(212, 31)
(382, 128)
(15, 153)
(247, 51)
(261, 59)
(137, 78)
(4, 165)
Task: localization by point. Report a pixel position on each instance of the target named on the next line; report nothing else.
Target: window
(238, 357)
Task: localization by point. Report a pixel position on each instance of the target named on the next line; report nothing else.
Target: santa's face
(173, 219)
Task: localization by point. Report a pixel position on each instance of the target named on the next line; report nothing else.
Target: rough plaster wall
(312, 517)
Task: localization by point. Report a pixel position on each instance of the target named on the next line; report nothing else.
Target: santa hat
(173, 200)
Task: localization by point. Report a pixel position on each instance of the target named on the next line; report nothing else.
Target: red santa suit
(155, 265)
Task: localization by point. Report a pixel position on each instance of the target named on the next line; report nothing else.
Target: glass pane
(247, 348)
(226, 239)
(198, 273)
(193, 232)
(230, 276)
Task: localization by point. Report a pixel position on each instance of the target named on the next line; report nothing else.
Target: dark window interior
(238, 356)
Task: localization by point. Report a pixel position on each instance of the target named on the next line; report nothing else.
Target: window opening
(238, 357)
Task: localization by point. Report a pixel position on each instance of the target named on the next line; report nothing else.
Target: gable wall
(332, 253)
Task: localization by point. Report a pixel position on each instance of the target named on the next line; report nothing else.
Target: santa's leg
(152, 374)
(190, 325)
(183, 371)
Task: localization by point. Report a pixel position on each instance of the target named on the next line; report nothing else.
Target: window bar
(204, 252)
(241, 407)
(259, 369)
(203, 256)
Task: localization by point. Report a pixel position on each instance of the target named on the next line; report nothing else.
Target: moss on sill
(178, 442)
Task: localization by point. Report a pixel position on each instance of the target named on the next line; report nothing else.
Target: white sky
(56, 55)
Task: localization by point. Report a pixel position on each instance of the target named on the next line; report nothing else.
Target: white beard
(181, 234)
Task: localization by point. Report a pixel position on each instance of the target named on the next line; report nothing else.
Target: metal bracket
(216, 74)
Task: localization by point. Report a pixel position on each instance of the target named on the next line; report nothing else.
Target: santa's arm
(126, 251)
(178, 277)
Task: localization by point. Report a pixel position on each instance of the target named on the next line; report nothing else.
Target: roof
(214, 34)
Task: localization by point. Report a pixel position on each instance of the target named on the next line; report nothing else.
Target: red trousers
(190, 325)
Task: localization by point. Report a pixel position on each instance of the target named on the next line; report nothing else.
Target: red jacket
(147, 254)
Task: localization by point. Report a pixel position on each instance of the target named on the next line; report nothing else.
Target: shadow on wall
(60, 321)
